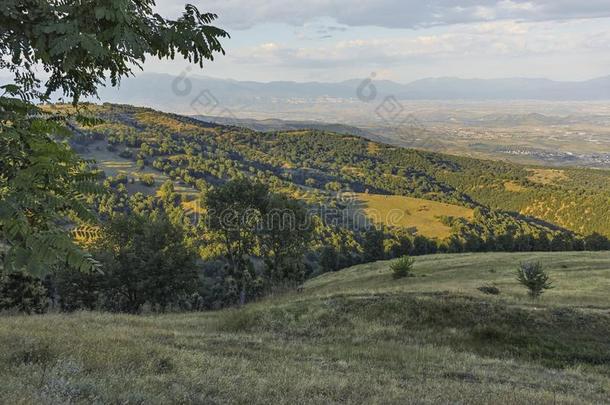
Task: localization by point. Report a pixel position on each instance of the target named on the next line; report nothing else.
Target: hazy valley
(538, 122)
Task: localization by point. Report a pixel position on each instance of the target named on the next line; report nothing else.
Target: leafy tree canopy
(81, 43)
(78, 45)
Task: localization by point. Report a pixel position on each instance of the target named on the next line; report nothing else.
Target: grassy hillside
(581, 279)
(424, 216)
(351, 337)
(419, 214)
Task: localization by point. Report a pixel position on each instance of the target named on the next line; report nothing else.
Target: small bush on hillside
(489, 289)
(127, 154)
(534, 278)
(403, 267)
(147, 180)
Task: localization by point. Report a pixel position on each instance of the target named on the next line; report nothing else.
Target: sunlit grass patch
(423, 215)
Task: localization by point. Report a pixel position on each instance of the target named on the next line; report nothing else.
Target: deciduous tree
(79, 45)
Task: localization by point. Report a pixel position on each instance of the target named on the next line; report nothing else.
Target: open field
(352, 336)
(407, 212)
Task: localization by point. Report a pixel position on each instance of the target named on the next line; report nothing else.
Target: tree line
(250, 242)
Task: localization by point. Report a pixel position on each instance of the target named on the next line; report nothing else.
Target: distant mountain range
(208, 96)
(505, 89)
(203, 95)
(433, 88)
(270, 125)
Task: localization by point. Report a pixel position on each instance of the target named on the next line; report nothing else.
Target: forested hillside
(202, 155)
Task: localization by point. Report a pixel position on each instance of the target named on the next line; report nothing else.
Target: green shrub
(127, 154)
(489, 289)
(534, 278)
(147, 180)
(23, 293)
(402, 267)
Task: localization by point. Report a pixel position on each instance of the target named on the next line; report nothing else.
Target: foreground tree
(285, 234)
(596, 241)
(23, 293)
(145, 262)
(234, 214)
(42, 183)
(249, 222)
(79, 45)
(329, 259)
(372, 245)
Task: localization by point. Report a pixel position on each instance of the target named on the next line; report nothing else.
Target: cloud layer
(403, 40)
(243, 14)
(496, 39)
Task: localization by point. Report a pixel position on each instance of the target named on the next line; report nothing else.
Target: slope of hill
(423, 217)
(198, 153)
(581, 279)
(114, 165)
(351, 337)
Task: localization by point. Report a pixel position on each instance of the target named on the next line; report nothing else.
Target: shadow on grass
(554, 337)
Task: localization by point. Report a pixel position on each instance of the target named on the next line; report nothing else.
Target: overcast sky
(404, 40)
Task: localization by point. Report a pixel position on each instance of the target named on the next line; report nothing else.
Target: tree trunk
(242, 296)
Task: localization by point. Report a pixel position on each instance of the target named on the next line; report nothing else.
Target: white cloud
(505, 38)
(335, 39)
(242, 14)
(514, 6)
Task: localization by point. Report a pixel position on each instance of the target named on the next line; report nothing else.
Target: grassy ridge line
(581, 278)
